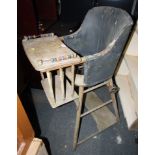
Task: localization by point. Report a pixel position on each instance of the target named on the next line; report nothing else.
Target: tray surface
(48, 52)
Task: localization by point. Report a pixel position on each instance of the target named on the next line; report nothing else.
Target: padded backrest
(100, 27)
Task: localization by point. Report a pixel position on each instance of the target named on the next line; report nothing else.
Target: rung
(92, 135)
(96, 108)
(97, 86)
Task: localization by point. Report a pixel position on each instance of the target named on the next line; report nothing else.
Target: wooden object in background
(25, 132)
(127, 80)
(37, 147)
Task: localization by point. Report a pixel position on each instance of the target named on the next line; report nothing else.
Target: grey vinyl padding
(101, 26)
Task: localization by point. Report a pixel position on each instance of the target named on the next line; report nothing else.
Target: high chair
(86, 59)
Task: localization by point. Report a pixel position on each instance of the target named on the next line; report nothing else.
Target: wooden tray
(48, 53)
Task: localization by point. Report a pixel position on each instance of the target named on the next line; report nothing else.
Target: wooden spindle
(58, 72)
(42, 75)
(62, 83)
(49, 77)
(73, 78)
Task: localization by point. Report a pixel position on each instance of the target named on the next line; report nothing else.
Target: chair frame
(109, 83)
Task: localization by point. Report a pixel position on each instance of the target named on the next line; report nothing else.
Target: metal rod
(96, 108)
(95, 87)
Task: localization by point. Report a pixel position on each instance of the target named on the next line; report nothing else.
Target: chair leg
(114, 101)
(78, 114)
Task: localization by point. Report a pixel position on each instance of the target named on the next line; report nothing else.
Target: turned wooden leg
(78, 114)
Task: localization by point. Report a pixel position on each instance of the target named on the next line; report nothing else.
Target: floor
(57, 127)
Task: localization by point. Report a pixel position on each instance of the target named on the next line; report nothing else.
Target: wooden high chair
(94, 49)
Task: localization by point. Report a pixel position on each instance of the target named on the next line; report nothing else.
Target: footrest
(103, 117)
(58, 94)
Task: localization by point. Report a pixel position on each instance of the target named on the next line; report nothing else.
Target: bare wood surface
(95, 87)
(123, 69)
(73, 78)
(42, 75)
(92, 135)
(132, 45)
(25, 132)
(132, 64)
(49, 53)
(78, 114)
(127, 100)
(62, 83)
(50, 83)
(127, 80)
(96, 108)
(37, 147)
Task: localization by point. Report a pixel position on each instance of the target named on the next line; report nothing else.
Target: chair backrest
(101, 26)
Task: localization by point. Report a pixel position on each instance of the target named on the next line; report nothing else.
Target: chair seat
(79, 79)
